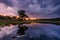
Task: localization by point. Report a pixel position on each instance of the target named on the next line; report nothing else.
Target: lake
(36, 31)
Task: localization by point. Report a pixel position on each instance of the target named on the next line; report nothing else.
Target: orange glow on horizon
(27, 19)
(4, 15)
(17, 17)
(11, 16)
(33, 18)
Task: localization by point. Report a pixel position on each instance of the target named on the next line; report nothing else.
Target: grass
(10, 23)
(27, 22)
(15, 22)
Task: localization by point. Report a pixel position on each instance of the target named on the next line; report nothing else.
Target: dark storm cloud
(56, 2)
(36, 8)
(7, 2)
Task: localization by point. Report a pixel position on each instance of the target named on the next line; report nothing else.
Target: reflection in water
(22, 29)
(34, 23)
(35, 31)
(6, 30)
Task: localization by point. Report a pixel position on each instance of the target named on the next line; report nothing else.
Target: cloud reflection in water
(35, 31)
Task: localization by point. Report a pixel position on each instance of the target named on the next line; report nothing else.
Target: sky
(33, 8)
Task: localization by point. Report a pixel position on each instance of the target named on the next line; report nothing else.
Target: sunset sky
(33, 8)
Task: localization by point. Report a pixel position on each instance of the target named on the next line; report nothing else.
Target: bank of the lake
(28, 22)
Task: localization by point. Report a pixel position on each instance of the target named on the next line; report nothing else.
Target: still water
(35, 32)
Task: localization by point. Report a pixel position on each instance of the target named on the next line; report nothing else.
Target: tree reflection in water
(22, 29)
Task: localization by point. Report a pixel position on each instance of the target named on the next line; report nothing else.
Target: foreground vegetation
(6, 23)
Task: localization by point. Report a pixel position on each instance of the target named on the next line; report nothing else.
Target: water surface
(35, 32)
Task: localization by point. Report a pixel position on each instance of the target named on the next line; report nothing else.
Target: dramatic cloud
(7, 2)
(36, 8)
(6, 10)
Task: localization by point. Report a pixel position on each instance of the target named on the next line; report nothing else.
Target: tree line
(21, 16)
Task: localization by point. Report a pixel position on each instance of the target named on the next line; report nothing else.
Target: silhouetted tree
(22, 14)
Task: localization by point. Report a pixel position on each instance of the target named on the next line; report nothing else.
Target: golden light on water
(34, 23)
